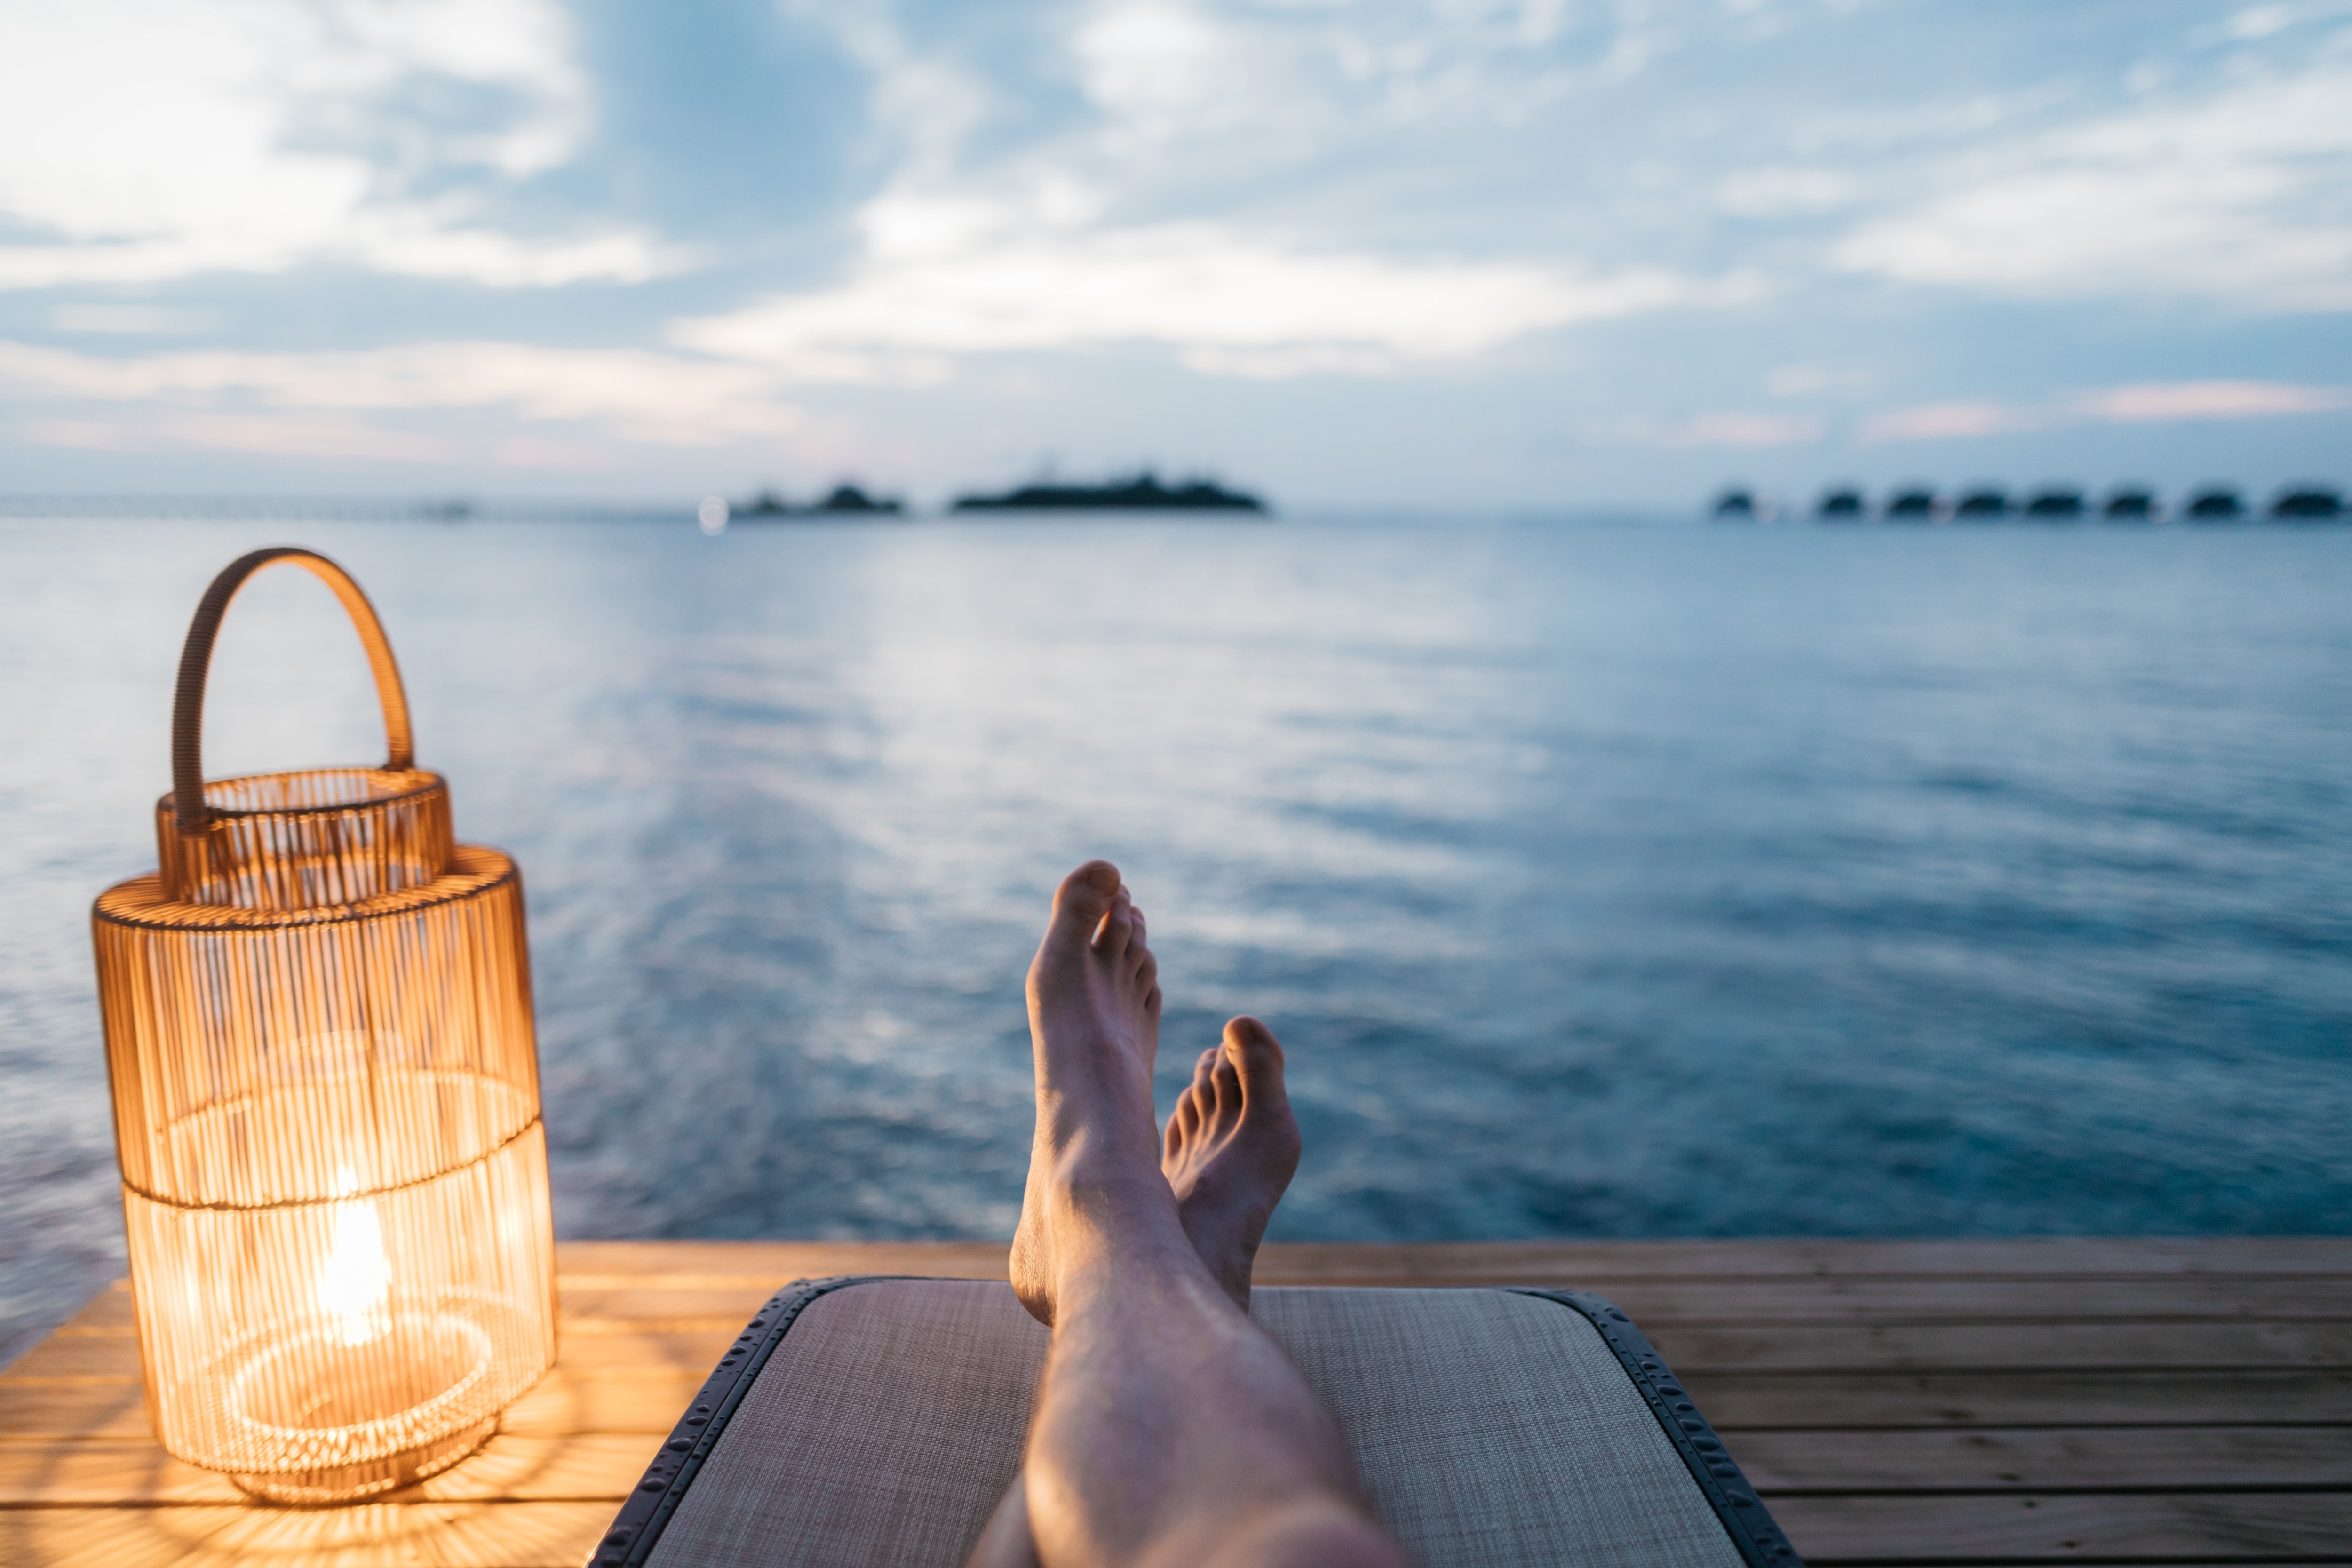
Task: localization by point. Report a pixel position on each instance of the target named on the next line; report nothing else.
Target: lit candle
(355, 1282)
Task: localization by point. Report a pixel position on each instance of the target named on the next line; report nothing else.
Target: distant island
(1144, 492)
(845, 500)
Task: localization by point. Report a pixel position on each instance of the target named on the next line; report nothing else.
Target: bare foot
(1231, 1148)
(1094, 1024)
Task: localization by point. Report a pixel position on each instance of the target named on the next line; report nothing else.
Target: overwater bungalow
(1840, 505)
(2307, 503)
(2215, 503)
(2055, 503)
(2130, 504)
(1913, 505)
(1985, 503)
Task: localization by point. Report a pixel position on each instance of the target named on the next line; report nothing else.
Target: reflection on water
(1601, 880)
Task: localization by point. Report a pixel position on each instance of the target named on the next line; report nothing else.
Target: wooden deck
(2013, 1403)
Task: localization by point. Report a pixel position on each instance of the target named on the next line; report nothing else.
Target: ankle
(1111, 1226)
(1109, 1200)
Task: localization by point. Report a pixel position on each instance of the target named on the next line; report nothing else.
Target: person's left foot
(1231, 1149)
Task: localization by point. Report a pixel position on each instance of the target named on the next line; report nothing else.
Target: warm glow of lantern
(355, 1282)
(326, 1093)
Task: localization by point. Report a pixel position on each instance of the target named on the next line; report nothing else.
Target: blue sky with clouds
(1544, 253)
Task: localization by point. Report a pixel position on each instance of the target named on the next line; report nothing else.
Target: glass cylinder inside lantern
(319, 1032)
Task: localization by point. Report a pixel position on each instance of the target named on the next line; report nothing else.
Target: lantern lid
(307, 840)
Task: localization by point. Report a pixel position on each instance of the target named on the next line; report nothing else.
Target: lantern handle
(190, 814)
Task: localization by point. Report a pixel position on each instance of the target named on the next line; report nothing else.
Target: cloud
(1731, 430)
(1788, 192)
(1162, 65)
(947, 278)
(276, 435)
(2135, 404)
(1303, 80)
(136, 320)
(2245, 198)
(1810, 376)
(1946, 421)
(2144, 402)
(206, 397)
(143, 140)
(1007, 228)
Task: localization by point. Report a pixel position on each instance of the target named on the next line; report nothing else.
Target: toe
(1227, 1088)
(1188, 1112)
(1256, 1056)
(1203, 1089)
(1115, 933)
(1085, 896)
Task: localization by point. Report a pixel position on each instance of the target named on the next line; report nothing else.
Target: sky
(1534, 255)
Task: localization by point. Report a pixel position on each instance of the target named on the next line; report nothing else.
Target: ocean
(1602, 877)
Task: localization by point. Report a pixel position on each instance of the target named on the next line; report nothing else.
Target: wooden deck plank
(659, 1305)
(613, 1400)
(33, 1412)
(99, 1472)
(2045, 1459)
(2180, 1526)
(401, 1535)
(1907, 1347)
(1435, 1263)
(561, 1406)
(77, 1358)
(613, 1350)
(2024, 1399)
(590, 1466)
(375, 1535)
(775, 1263)
(1988, 1298)
(107, 1537)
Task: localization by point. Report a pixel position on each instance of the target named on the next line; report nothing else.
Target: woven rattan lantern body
(326, 1104)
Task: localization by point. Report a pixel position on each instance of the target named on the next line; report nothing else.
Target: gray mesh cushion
(1493, 1430)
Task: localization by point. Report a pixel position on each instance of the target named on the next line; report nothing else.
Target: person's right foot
(1231, 1147)
(1094, 1020)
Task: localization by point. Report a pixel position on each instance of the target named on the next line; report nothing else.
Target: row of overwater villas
(2053, 503)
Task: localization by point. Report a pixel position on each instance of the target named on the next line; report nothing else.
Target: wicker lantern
(325, 1105)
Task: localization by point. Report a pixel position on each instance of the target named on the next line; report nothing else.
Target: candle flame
(355, 1282)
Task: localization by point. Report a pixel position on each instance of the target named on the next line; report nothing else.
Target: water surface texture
(1600, 879)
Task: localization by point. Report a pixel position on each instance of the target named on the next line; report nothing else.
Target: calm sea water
(1600, 879)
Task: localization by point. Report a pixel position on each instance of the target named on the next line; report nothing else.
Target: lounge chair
(872, 1421)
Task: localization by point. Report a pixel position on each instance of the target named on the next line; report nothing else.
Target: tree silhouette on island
(1144, 492)
(843, 500)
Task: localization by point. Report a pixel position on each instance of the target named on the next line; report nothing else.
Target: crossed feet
(1254, 1465)
(1230, 1149)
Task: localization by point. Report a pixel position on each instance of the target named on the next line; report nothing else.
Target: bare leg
(1169, 1430)
(1231, 1149)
